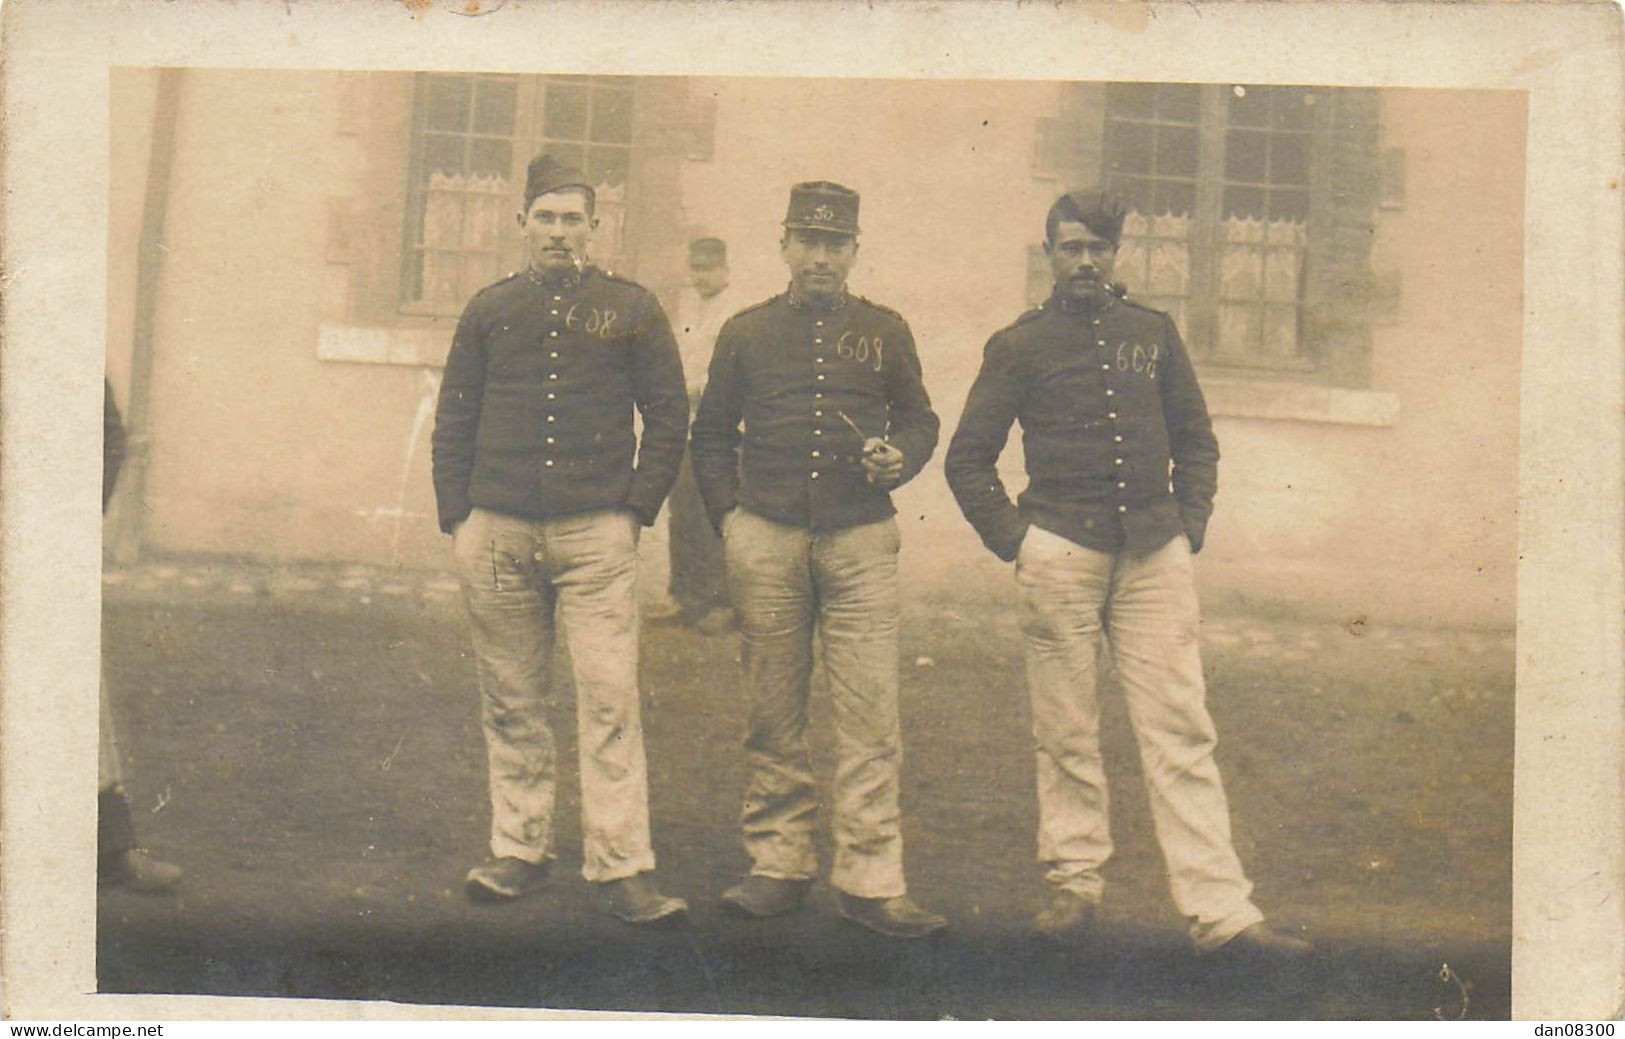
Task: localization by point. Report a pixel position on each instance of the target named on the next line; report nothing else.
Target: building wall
(260, 448)
(1419, 519)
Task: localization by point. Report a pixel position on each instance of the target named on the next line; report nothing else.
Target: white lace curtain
(1260, 269)
(468, 232)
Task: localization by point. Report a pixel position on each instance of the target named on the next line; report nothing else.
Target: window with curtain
(1220, 184)
(472, 139)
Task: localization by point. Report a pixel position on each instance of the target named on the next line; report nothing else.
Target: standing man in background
(827, 388)
(541, 480)
(1122, 467)
(699, 590)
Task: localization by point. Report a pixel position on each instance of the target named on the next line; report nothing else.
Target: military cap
(708, 250)
(1091, 207)
(548, 174)
(820, 205)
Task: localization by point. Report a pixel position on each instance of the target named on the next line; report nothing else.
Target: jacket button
(1109, 393)
(550, 418)
(1122, 508)
(1122, 486)
(815, 474)
(818, 432)
(551, 396)
(818, 414)
(550, 440)
(1105, 367)
(1117, 439)
(820, 376)
(553, 334)
(815, 454)
(548, 463)
(1117, 461)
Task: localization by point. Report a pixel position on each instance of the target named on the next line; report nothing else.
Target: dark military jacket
(788, 370)
(1119, 447)
(535, 417)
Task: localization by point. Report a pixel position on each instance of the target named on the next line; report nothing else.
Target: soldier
(1122, 467)
(827, 386)
(541, 480)
(698, 591)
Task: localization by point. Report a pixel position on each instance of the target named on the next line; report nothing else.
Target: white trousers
(1073, 598)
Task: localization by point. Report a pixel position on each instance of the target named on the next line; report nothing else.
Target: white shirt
(696, 321)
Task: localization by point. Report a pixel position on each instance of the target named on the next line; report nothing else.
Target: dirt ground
(317, 767)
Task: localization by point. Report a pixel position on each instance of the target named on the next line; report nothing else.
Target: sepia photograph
(849, 757)
(961, 541)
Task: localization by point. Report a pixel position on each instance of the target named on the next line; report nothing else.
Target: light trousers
(1072, 600)
(518, 577)
(790, 585)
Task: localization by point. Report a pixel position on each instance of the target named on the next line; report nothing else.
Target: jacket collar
(1067, 305)
(806, 304)
(566, 280)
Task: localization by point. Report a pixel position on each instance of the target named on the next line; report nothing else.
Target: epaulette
(879, 306)
(769, 301)
(1030, 315)
(499, 281)
(1122, 297)
(609, 275)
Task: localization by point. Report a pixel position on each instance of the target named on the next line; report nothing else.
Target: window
(472, 139)
(1220, 184)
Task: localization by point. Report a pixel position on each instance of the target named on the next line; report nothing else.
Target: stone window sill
(1232, 397)
(415, 345)
(1227, 396)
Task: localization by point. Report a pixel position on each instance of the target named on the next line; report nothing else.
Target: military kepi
(820, 205)
(1091, 207)
(548, 174)
(711, 252)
